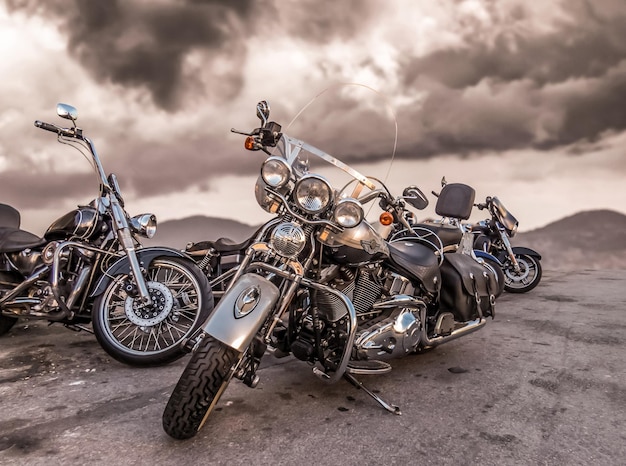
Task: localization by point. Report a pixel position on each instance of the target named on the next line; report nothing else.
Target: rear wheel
(526, 279)
(199, 388)
(152, 334)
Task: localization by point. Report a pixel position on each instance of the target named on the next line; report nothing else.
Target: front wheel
(528, 276)
(151, 335)
(496, 269)
(199, 388)
(6, 283)
(6, 323)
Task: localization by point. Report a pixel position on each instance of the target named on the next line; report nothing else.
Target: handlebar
(484, 205)
(56, 129)
(262, 138)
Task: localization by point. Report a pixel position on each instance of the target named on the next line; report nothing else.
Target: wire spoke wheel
(150, 334)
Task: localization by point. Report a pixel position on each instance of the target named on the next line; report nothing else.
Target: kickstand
(391, 408)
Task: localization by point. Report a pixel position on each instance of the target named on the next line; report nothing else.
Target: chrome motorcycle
(89, 266)
(318, 282)
(521, 266)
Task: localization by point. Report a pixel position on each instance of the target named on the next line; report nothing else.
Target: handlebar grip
(47, 126)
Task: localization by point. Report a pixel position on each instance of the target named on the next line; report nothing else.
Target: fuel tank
(82, 223)
(355, 245)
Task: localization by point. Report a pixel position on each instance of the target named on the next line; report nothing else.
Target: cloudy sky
(523, 100)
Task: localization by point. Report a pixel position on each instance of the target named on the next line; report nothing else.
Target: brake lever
(236, 131)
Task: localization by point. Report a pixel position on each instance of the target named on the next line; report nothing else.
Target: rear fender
(145, 256)
(242, 311)
(526, 251)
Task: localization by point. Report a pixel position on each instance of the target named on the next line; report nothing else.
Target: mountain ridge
(593, 239)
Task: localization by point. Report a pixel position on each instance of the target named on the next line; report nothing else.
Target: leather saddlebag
(466, 286)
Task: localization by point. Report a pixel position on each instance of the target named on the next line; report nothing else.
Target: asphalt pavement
(542, 384)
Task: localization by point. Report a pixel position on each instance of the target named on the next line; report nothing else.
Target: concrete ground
(543, 383)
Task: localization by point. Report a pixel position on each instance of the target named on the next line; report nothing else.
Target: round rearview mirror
(263, 111)
(414, 196)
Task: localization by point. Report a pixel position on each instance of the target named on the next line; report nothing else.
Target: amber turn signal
(386, 219)
(250, 143)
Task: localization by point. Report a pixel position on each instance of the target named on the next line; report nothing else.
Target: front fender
(485, 255)
(145, 256)
(242, 310)
(526, 251)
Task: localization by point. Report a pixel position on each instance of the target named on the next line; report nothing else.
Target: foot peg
(369, 367)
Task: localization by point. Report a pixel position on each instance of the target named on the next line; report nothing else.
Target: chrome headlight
(275, 171)
(513, 230)
(144, 225)
(313, 194)
(348, 213)
(288, 239)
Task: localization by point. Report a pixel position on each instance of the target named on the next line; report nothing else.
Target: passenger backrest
(456, 200)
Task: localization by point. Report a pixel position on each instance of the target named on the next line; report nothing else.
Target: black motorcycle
(521, 266)
(447, 234)
(90, 267)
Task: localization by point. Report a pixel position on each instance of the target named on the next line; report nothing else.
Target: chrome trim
(25, 284)
(414, 303)
(295, 214)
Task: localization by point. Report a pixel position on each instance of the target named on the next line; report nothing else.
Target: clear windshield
(346, 133)
(504, 216)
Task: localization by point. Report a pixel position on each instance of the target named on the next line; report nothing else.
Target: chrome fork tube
(509, 249)
(126, 240)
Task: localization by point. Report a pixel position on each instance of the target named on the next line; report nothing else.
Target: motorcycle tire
(182, 301)
(497, 270)
(527, 279)
(199, 388)
(6, 323)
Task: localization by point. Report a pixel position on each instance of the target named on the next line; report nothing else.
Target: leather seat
(14, 239)
(418, 261)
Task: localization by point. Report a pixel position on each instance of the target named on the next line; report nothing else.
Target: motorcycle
(521, 266)
(89, 267)
(448, 234)
(319, 283)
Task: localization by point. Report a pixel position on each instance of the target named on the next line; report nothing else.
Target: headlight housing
(276, 172)
(312, 194)
(144, 225)
(348, 213)
(288, 239)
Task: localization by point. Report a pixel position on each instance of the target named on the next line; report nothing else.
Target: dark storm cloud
(144, 44)
(37, 190)
(541, 91)
(321, 22)
(507, 86)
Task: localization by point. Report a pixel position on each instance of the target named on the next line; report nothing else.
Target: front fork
(509, 249)
(127, 242)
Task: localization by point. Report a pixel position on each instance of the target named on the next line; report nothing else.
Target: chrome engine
(384, 332)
